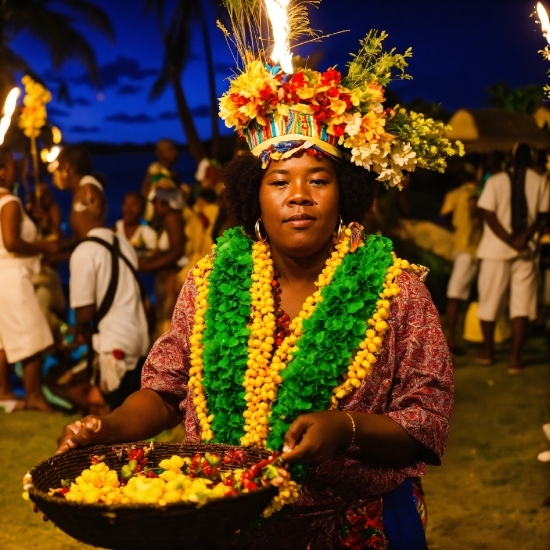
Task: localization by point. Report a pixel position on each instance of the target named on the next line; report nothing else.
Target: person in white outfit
(120, 337)
(514, 205)
(24, 332)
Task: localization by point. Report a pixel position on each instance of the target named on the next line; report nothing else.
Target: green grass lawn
(488, 494)
(27, 438)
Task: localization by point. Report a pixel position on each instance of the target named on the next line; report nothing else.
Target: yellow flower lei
(201, 274)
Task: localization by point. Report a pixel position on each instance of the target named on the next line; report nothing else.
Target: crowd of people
(500, 220)
(96, 332)
(498, 214)
(167, 227)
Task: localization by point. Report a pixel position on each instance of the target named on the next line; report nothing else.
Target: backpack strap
(128, 263)
(109, 297)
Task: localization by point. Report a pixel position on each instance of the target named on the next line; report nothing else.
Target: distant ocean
(124, 172)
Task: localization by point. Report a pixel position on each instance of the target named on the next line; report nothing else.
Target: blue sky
(459, 48)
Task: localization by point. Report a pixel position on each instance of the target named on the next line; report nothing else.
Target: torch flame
(544, 21)
(277, 10)
(52, 155)
(9, 107)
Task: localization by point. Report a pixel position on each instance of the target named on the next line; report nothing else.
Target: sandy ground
(488, 495)
(490, 490)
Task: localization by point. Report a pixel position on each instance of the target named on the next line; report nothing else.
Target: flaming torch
(277, 11)
(544, 21)
(545, 27)
(9, 107)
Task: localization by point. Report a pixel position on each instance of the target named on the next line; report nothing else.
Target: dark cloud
(201, 111)
(55, 111)
(129, 89)
(81, 101)
(167, 115)
(129, 119)
(113, 72)
(78, 129)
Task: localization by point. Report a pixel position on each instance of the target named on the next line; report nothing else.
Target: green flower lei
(226, 334)
(329, 339)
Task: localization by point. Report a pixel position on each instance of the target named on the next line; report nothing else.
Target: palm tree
(518, 100)
(177, 51)
(54, 29)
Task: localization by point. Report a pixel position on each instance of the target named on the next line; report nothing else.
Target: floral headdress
(281, 110)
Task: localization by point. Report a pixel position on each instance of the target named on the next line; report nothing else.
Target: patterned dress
(341, 501)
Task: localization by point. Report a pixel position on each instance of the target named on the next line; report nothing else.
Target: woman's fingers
(294, 433)
(78, 434)
(299, 443)
(314, 437)
(64, 443)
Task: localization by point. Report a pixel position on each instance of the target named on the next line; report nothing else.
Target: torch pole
(36, 168)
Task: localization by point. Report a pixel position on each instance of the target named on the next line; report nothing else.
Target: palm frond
(160, 84)
(55, 30)
(92, 14)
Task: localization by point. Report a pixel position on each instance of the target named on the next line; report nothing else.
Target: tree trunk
(211, 85)
(196, 147)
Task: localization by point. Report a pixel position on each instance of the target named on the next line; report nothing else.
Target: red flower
(320, 115)
(265, 92)
(339, 129)
(297, 81)
(118, 354)
(331, 76)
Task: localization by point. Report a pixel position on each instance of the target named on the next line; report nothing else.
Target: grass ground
(488, 495)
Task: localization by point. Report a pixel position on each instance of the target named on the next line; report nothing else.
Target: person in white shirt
(142, 237)
(121, 341)
(514, 205)
(24, 332)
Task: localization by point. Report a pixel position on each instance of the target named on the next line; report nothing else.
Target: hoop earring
(258, 232)
(341, 228)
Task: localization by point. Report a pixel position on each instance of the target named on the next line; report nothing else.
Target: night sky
(459, 48)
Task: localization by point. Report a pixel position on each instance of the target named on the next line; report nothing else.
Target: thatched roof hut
(488, 130)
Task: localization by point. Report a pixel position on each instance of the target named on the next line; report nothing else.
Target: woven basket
(144, 526)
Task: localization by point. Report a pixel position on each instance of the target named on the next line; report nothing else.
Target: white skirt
(24, 330)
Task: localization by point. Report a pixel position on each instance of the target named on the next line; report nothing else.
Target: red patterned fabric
(412, 383)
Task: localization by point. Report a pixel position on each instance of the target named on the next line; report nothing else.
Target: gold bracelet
(353, 431)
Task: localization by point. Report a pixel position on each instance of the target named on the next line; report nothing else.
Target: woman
(299, 201)
(24, 332)
(164, 263)
(142, 237)
(298, 332)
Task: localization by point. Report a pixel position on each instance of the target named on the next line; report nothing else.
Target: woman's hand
(79, 434)
(315, 437)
